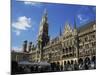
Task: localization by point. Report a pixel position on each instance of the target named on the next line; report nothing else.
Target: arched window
(65, 63)
(71, 61)
(68, 62)
(93, 59)
(87, 60)
(63, 50)
(80, 61)
(66, 50)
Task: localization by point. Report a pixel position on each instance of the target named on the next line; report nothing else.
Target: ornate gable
(67, 29)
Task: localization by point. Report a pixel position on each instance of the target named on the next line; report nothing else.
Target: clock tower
(43, 37)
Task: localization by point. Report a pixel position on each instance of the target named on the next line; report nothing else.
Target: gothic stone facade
(72, 46)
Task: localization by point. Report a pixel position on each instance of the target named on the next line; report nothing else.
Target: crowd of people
(53, 67)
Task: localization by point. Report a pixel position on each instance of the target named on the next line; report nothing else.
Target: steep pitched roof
(86, 26)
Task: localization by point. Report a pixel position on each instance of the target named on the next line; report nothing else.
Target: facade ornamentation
(73, 45)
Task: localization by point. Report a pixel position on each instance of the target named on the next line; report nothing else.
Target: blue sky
(26, 17)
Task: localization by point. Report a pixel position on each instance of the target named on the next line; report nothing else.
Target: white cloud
(84, 13)
(29, 3)
(22, 23)
(82, 18)
(37, 4)
(17, 32)
(16, 49)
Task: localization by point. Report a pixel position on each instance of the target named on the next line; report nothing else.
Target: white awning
(26, 63)
(44, 64)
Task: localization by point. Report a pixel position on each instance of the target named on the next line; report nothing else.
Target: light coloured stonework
(73, 45)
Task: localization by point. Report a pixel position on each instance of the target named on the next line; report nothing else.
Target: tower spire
(44, 17)
(44, 21)
(75, 23)
(43, 37)
(60, 31)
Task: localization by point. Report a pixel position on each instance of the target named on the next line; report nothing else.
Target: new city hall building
(73, 45)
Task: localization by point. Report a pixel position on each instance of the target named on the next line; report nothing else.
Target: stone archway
(72, 62)
(93, 62)
(53, 65)
(87, 60)
(65, 63)
(80, 64)
(68, 68)
(76, 67)
(64, 67)
(58, 63)
(87, 63)
(68, 62)
(58, 66)
(80, 61)
(93, 59)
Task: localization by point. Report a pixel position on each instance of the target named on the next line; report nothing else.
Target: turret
(30, 47)
(25, 46)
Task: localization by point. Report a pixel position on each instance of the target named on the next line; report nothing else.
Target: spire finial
(45, 11)
(60, 31)
(75, 22)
